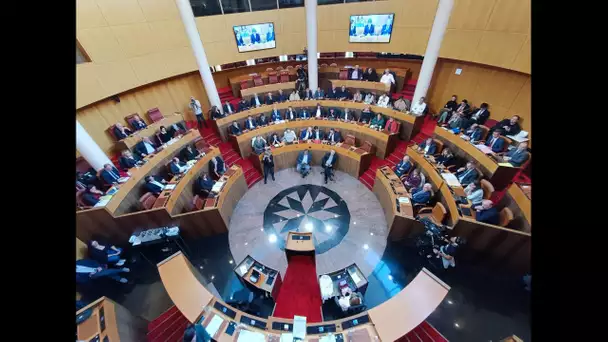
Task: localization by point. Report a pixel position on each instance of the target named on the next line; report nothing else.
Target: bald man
(422, 195)
(518, 156)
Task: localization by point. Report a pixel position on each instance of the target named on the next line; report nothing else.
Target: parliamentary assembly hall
(303, 170)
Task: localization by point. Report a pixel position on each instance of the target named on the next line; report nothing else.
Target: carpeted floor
(299, 294)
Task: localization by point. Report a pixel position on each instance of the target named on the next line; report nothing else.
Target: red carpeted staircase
(168, 327)
(408, 90)
(226, 95)
(423, 333)
(299, 294)
(369, 176)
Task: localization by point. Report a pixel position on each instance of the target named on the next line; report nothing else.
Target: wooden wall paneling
(121, 12)
(89, 15)
(156, 10)
(156, 95)
(523, 62)
(182, 88)
(96, 223)
(510, 16)
(116, 77)
(81, 249)
(149, 68)
(169, 34)
(414, 13)
(144, 219)
(522, 105)
(499, 48)
(135, 39)
(471, 14)
(100, 44)
(179, 61)
(460, 44)
(95, 124)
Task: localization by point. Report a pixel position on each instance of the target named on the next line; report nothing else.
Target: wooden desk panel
(410, 124)
(516, 200)
(98, 222)
(263, 90)
(231, 194)
(129, 142)
(377, 87)
(299, 245)
(120, 324)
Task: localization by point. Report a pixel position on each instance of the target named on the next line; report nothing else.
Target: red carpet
(300, 294)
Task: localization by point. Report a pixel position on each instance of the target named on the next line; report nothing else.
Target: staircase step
(423, 335)
(432, 332)
(178, 334)
(168, 328)
(367, 185)
(162, 318)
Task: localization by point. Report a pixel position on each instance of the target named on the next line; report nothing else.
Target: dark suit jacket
(323, 112)
(333, 95)
(141, 148)
(366, 116)
(483, 117)
(513, 129)
(282, 97)
(420, 196)
(220, 165)
(518, 158)
(498, 145)
(252, 101)
(126, 163)
(226, 108)
(260, 122)
(303, 134)
(319, 94)
(174, 168)
(205, 184)
(153, 188)
(139, 125)
(334, 116)
(269, 100)
(304, 114)
(187, 155)
(82, 278)
(287, 116)
(373, 77)
(89, 198)
(489, 216)
(276, 116)
(475, 135)
(301, 158)
(252, 125)
(351, 115)
(402, 168)
(243, 106)
(119, 135)
(359, 74)
(107, 177)
(336, 138)
(469, 177)
(310, 95)
(235, 130)
(432, 149)
(326, 157)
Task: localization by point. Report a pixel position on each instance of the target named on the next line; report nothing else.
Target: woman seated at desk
(164, 135)
(413, 180)
(348, 300)
(446, 158)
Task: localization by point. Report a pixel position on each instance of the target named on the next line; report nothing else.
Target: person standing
(268, 161)
(328, 162)
(195, 105)
(303, 163)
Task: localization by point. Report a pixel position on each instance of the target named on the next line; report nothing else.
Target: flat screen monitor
(371, 28)
(255, 37)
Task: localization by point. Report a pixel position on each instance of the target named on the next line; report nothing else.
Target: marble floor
(346, 219)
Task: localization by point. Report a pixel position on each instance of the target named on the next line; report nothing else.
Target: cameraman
(447, 251)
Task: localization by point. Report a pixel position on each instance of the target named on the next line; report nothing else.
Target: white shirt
(290, 115)
(387, 79)
(159, 184)
(307, 135)
(305, 159)
(479, 112)
(196, 107)
(257, 102)
(149, 148)
(329, 160)
(289, 136)
(346, 115)
(369, 98)
(317, 134)
(383, 101)
(85, 269)
(426, 148)
(318, 115)
(229, 109)
(355, 75)
(330, 137)
(418, 108)
(344, 302)
(250, 122)
(294, 97)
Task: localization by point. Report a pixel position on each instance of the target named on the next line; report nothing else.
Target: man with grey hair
(422, 195)
(486, 213)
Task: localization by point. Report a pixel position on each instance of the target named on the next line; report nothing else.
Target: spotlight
(355, 222)
(230, 262)
(272, 238)
(261, 229)
(328, 228)
(365, 246)
(457, 325)
(212, 277)
(246, 243)
(370, 233)
(450, 302)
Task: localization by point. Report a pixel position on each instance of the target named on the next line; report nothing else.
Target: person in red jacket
(391, 126)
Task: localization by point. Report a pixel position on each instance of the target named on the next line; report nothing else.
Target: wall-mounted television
(371, 28)
(255, 37)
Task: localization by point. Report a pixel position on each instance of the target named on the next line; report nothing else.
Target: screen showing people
(255, 37)
(374, 28)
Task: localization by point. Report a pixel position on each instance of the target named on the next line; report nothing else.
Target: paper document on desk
(103, 200)
(169, 186)
(217, 186)
(243, 269)
(214, 325)
(450, 179)
(299, 327)
(287, 337)
(123, 179)
(250, 336)
(355, 278)
(173, 231)
(328, 338)
(505, 164)
(483, 148)
(405, 200)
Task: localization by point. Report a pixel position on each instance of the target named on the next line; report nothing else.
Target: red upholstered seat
(273, 78)
(257, 80)
(147, 200)
(155, 115)
(284, 76)
(343, 74)
(245, 84)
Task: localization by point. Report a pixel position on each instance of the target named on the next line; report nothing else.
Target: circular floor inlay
(308, 208)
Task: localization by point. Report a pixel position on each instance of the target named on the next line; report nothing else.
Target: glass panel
(291, 3)
(235, 6)
(358, 0)
(202, 8)
(262, 5)
(329, 2)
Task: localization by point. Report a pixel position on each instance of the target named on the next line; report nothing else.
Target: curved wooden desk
(129, 142)
(245, 269)
(383, 142)
(352, 161)
(389, 321)
(120, 324)
(263, 90)
(410, 124)
(516, 200)
(377, 87)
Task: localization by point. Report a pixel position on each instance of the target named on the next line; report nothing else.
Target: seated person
(303, 163)
(447, 252)
(110, 174)
(308, 94)
(347, 115)
(291, 114)
(196, 332)
(508, 126)
(496, 142)
(145, 147)
(370, 98)
(333, 136)
(333, 94)
(88, 269)
(91, 195)
(419, 107)
(319, 112)
(344, 94)
(270, 99)
(333, 114)
(392, 126)
(258, 144)
(275, 115)
(356, 73)
(317, 134)
(464, 107)
(274, 139)
(474, 192)
(487, 213)
(217, 166)
(205, 184)
(255, 101)
(228, 108)
(518, 156)
(306, 134)
(127, 161)
(413, 180)
(467, 175)
(250, 123)
(282, 97)
(328, 162)
(446, 158)
(294, 96)
(289, 137)
(377, 122)
(105, 254)
(235, 128)
(244, 105)
(319, 94)
(446, 111)
(383, 101)
(349, 299)
(481, 115)
(138, 123)
(403, 166)
(473, 134)
(401, 105)
(304, 114)
(121, 132)
(262, 120)
(189, 153)
(428, 146)
(155, 184)
(215, 113)
(358, 97)
(422, 195)
(177, 167)
(366, 115)
(165, 135)
(456, 121)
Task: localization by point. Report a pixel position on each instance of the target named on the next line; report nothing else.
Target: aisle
(300, 293)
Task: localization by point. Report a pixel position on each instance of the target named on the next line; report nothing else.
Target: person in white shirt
(418, 107)
(357, 74)
(289, 136)
(176, 166)
(319, 111)
(255, 101)
(347, 116)
(474, 192)
(383, 101)
(307, 134)
(294, 96)
(349, 299)
(370, 98)
(291, 114)
(195, 105)
(387, 78)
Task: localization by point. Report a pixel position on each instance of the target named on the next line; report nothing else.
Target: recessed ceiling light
(261, 229)
(457, 325)
(390, 277)
(370, 233)
(230, 262)
(355, 222)
(335, 215)
(308, 227)
(212, 277)
(201, 267)
(450, 302)
(365, 246)
(246, 243)
(272, 238)
(328, 228)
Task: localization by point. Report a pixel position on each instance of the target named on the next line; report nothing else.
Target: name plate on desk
(224, 309)
(253, 322)
(300, 237)
(320, 329)
(282, 326)
(355, 321)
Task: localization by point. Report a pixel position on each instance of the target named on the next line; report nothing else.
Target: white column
(442, 17)
(185, 12)
(311, 42)
(89, 149)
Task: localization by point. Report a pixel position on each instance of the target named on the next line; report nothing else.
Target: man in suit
(518, 156)
(217, 166)
(464, 107)
(369, 28)
(177, 167)
(250, 123)
(307, 134)
(319, 94)
(481, 115)
(243, 105)
(235, 129)
(317, 134)
(138, 123)
(215, 113)
(356, 73)
(366, 115)
(308, 94)
(348, 115)
(403, 166)
(387, 28)
(228, 108)
(303, 163)
(275, 115)
(496, 142)
(328, 162)
(255, 37)
(145, 147)
(270, 99)
(205, 184)
(262, 120)
(473, 134)
(333, 137)
(127, 161)
(91, 195)
(270, 35)
(333, 94)
(255, 101)
(155, 184)
(282, 97)
(467, 174)
(486, 213)
(319, 112)
(428, 146)
(333, 114)
(190, 153)
(508, 126)
(304, 114)
(110, 174)
(344, 94)
(391, 126)
(120, 131)
(88, 269)
(268, 161)
(422, 195)
(291, 114)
